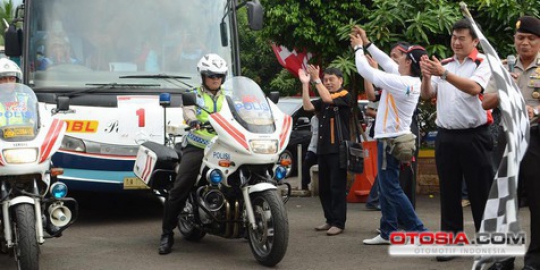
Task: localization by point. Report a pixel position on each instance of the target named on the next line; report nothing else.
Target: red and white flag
(291, 60)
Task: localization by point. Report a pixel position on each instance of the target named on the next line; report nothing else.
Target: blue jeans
(394, 202)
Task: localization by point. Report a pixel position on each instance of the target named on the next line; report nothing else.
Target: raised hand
(304, 77)
(372, 61)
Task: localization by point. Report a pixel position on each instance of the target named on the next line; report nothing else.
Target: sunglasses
(216, 76)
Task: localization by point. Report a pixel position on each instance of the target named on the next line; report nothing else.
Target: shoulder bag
(351, 154)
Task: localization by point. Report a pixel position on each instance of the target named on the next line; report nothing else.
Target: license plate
(134, 183)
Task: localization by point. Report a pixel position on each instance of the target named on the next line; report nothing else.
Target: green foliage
(322, 27)
(7, 12)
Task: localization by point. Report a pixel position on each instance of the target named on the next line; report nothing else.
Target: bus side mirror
(189, 99)
(62, 103)
(13, 41)
(223, 33)
(255, 13)
(274, 97)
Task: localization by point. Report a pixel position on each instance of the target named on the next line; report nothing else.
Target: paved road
(122, 233)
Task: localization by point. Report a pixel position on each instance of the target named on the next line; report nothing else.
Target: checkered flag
(500, 214)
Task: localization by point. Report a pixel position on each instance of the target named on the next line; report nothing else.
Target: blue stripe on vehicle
(66, 160)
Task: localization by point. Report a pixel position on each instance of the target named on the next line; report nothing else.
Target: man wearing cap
(401, 83)
(527, 75)
(463, 145)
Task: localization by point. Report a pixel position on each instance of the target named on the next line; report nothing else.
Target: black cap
(528, 24)
(415, 53)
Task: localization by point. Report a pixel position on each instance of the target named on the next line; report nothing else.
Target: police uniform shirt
(455, 108)
(328, 133)
(526, 80)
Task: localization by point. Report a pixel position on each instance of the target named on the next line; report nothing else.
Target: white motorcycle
(32, 200)
(236, 194)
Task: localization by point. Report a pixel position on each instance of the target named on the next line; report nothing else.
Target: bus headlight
(281, 172)
(214, 176)
(264, 146)
(73, 144)
(24, 155)
(59, 190)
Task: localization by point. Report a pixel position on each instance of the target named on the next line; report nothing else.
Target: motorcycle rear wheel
(269, 241)
(27, 249)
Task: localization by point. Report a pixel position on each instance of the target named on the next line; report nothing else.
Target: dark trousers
(309, 160)
(529, 174)
(333, 190)
(463, 154)
(187, 175)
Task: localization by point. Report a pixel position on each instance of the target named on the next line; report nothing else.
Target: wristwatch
(317, 81)
(444, 74)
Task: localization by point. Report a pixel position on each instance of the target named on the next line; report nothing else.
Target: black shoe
(165, 243)
(502, 265)
(371, 207)
(445, 258)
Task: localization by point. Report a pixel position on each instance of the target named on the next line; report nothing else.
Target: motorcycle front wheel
(27, 249)
(269, 240)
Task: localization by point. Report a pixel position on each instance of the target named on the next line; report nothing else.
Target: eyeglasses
(216, 76)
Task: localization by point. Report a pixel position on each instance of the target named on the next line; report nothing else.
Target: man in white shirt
(463, 145)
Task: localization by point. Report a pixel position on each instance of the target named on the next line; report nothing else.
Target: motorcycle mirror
(189, 99)
(274, 97)
(223, 33)
(255, 13)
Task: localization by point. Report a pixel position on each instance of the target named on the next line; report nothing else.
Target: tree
(322, 27)
(7, 13)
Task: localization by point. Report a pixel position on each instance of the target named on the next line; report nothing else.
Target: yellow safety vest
(201, 137)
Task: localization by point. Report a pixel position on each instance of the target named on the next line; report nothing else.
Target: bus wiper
(101, 86)
(160, 76)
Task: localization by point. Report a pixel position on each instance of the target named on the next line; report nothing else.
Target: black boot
(165, 243)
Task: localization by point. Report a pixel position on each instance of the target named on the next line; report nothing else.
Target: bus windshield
(77, 43)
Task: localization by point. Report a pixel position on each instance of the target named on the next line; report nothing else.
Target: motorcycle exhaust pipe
(59, 215)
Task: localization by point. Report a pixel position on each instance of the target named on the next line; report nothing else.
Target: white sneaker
(377, 240)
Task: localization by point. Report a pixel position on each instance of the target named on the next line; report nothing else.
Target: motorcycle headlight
(215, 176)
(24, 155)
(264, 146)
(59, 190)
(281, 172)
(73, 144)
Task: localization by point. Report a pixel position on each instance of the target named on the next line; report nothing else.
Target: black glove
(194, 123)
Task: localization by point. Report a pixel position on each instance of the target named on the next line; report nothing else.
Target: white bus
(110, 60)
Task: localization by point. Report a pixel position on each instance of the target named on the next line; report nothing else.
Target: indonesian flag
(292, 61)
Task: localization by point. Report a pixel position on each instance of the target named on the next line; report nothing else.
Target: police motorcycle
(236, 194)
(32, 200)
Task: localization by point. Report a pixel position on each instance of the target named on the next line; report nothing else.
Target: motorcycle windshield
(249, 105)
(18, 113)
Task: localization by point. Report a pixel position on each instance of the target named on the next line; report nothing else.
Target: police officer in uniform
(527, 75)
(210, 96)
(11, 73)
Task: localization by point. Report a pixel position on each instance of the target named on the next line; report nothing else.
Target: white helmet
(211, 64)
(8, 68)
